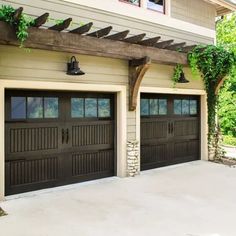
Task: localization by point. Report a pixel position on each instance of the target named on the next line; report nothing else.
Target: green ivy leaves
(22, 25)
(214, 63)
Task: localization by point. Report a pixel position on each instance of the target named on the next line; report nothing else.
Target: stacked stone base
(132, 158)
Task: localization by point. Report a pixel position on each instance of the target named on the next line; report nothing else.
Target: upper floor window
(134, 2)
(156, 5)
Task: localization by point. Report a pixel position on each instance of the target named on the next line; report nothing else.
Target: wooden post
(137, 70)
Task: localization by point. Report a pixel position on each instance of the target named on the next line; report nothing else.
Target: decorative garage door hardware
(57, 138)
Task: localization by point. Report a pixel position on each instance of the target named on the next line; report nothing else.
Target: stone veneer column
(132, 158)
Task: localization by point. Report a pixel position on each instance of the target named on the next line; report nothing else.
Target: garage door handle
(67, 135)
(62, 135)
(172, 128)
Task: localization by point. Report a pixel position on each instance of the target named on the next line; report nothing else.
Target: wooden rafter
(17, 14)
(40, 38)
(175, 46)
(101, 33)
(137, 70)
(118, 36)
(150, 42)
(41, 20)
(164, 44)
(135, 38)
(64, 25)
(82, 29)
(188, 48)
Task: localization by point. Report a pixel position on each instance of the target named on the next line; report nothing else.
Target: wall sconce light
(73, 67)
(182, 79)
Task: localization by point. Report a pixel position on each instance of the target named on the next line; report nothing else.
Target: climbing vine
(178, 70)
(21, 24)
(213, 63)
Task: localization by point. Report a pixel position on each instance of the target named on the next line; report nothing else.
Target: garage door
(170, 130)
(55, 138)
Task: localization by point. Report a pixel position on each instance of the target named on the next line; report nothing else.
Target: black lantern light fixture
(182, 78)
(73, 67)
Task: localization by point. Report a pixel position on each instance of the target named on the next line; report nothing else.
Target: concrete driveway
(194, 199)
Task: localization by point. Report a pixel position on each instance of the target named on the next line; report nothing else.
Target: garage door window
(152, 107)
(34, 107)
(18, 107)
(90, 107)
(185, 107)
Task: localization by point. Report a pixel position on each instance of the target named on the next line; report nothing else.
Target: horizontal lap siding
(101, 19)
(160, 76)
(39, 65)
(194, 11)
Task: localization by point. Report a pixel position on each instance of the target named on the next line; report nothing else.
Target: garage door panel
(98, 133)
(50, 143)
(186, 127)
(92, 162)
(172, 136)
(23, 174)
(154, 129)
(31, 139)
(152, 155)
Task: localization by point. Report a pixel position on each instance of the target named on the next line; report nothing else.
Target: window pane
(153, 106)
(144, 107)
(135, 2)
(177, 107)
(162, 106)
(50, 107)
(193, 107)
(35, 107)
(18, 108)
(90, 107)
(185, 107)
(104, 109)
(77, 107)
(156, 5)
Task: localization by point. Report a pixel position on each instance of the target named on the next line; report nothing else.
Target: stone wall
(132, 158)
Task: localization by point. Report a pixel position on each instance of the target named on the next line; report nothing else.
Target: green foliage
(177, 72)
(229, 140)
(6, 15)
(226, 37)
(214, 63)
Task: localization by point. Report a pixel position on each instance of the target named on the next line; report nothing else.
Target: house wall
(195, 12)
(121, 16)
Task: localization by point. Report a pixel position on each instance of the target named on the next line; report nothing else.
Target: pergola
(139, 50)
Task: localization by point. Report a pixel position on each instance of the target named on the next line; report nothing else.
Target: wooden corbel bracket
(137, 70)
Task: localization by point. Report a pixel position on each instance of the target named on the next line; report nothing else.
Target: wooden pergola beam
(64, 25)
(175, 46)
(17, 14)
(164, 44)
(41, 20)
(73, 43)
(135, 38)
(82, 29)
(118, 36)
(101, 33)
(137, 70)
(188, 48)
(150, 42)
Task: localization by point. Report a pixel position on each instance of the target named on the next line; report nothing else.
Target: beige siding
(160, 76)
(83, 14)
(20, 64)
(194, 11)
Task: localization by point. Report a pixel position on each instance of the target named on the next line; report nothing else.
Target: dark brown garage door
(57, 138)
(170, 130)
